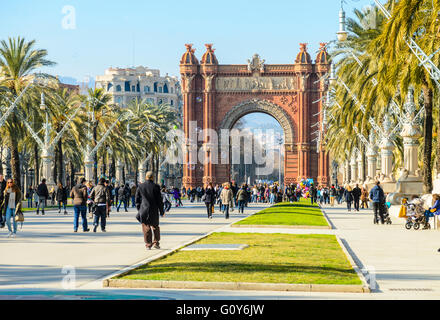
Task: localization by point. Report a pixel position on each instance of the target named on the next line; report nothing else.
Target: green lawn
(270, 258)
(291, 214)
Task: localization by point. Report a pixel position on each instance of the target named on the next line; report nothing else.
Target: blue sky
(105, 30)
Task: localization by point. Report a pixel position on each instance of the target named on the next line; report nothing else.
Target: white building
(128, 84)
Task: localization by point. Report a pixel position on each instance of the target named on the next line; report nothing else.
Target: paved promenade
(404, 263)
(36, 257)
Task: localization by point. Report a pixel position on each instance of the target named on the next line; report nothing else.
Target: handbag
(19, 217)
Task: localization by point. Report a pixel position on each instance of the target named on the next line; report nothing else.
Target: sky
(85, 37)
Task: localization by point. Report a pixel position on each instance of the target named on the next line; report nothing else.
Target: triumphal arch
(216, 96)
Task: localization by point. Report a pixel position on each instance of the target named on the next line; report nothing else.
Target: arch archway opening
(257, 149)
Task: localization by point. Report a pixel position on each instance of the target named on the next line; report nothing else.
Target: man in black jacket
(43, 194)
(149, 204)
(2, 196)
(100, 196)
(356, 196)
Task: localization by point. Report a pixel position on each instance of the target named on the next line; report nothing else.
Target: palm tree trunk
(15, 159)
(427, 150)
(55, 166)
(60, 161)
(95, 157)
(1, 162)
(112, 170)
(36, 165)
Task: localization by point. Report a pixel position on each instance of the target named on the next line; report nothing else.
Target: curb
(279, 226)
(330, 224)
(361, 276)
(246, 286)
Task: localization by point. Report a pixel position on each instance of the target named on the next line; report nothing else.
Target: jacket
(5, 202)
(79, 195)
(226, 196)
(356, 193)
(242, 195)
(209, 195)
(42, 190)
(149, 203)
(376, 194)
(100, 194)
(61, 194)
(348, 195)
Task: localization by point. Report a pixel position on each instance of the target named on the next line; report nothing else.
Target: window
(172, 102)
(138, 87)
(119, 100)
(160, 89)
(109, 86)
(118, 88)
(155, 87)
(165, 88)
(146, 89)
(133, 88)
(127, 86)
(159, 101)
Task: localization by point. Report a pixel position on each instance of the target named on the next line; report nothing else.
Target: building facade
(125, 85)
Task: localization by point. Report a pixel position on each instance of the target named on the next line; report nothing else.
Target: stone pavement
(47, 244)
(403, 262)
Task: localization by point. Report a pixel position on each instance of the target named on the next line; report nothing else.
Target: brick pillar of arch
(209, 123)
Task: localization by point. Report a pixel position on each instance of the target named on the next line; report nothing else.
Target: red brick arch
(216, 96)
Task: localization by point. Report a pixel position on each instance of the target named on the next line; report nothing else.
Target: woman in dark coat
(61, 197)
(348, 195)
(209, 199)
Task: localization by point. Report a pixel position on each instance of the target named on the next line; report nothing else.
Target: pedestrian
(29, 197)
(109, 201)
(11, 205)
(209, 199)
(227, 199)
(89, 185)
(332, 193)
(100, 197)
(313, 194)
(133, 195)
(79, 197)
(377, 196)
(165, 198)
(348, 196)
(43, 195)
(61, 197)
(242, 195)
(364, 198)
(356, 197)
(3, 185)
(52, 195)
(149, 205)
(123, 194)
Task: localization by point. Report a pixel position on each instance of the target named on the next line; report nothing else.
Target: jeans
(29, 202)
(167, 206)
(133, 201)
(226, 210)
(42, 203)
(349, 205)
(10, 213)
(377, 210)
(80, 210)
(209, 208)
(356, 204)
(64, 206)
(241, 206)
(100, 213)
(272, 198)
(119, 205)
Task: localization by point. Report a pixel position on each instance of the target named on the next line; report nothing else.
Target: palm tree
(18, 59)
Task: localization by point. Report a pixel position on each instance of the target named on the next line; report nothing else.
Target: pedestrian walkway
(47, 244)
(403, 263)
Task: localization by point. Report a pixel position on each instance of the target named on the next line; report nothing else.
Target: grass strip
(270, 258)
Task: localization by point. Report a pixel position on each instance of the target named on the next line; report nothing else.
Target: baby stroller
(415, 213)
(384, 213)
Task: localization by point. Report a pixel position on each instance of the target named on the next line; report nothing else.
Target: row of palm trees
(381, 46)
(140, 128)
